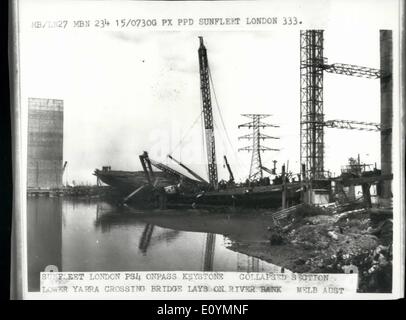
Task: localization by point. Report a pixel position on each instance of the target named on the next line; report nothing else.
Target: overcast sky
(126, 91)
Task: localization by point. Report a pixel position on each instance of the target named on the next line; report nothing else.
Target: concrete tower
(45, 143)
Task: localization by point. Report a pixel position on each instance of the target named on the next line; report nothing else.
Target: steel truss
(354, 125)
(312, 66)
(352, 70)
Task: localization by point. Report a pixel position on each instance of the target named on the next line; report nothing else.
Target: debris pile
(337, 241)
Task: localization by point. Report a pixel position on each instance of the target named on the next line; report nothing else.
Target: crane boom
(207, 114)
(194, 174)
(229, 170)
(64, 167)
(166, 169)
(267, 170)
(171, 171)
(352, 70)
(355, 125)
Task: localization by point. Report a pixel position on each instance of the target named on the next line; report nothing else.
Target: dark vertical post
(386, 108)
(366, 194)
(209, 252)
(150, 171)
(283, 187)
(144, 167)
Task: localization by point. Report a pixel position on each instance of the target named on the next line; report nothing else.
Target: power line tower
(256, 136)
(312, 123)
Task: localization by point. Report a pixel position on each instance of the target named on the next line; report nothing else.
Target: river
(84, 235)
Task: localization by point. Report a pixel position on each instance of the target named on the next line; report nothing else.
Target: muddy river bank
(312, 240)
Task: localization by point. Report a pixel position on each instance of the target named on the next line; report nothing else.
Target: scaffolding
(312, 123)
(311, 103)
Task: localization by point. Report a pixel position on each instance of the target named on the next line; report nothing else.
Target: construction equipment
(210, 144)
(312, 123)
(256, 147)
(352, 70)
(148, 163)
(207, 114)
(194, 174)
(268, 170)
(146, 166)
(64, 167)
(354, 125)
(231, 178)
(133, 193)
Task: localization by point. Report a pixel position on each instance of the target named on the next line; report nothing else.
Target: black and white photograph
(188, 142)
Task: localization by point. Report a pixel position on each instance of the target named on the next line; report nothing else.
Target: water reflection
(93, 236)
(146, 238)
(44, 237)
(209, 252)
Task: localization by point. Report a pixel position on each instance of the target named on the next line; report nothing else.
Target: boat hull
(270, 197)
(127, 182)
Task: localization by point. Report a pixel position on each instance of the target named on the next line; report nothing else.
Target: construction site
(310, 221)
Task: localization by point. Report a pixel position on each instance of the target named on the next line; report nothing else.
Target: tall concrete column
(386, 108)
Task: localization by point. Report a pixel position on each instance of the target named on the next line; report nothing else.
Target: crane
(231, 179)
(210, 143)
(207, 114)
(63, 170)
(64, 167)
(354, 125)
(164, 168)
(352, 70)
(194, 174)
(267, 170)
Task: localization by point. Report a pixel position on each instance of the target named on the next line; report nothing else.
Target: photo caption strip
(195, 285)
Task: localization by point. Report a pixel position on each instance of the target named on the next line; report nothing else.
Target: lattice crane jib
(353, 125)
(256, 168)
(311, 103)
(207, 114)
(352, 70)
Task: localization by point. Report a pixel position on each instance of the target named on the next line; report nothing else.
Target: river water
(82, 235)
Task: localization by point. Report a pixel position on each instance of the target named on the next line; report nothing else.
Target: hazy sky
(129, 91)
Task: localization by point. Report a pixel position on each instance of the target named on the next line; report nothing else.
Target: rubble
(306, 240)
(336, 241)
